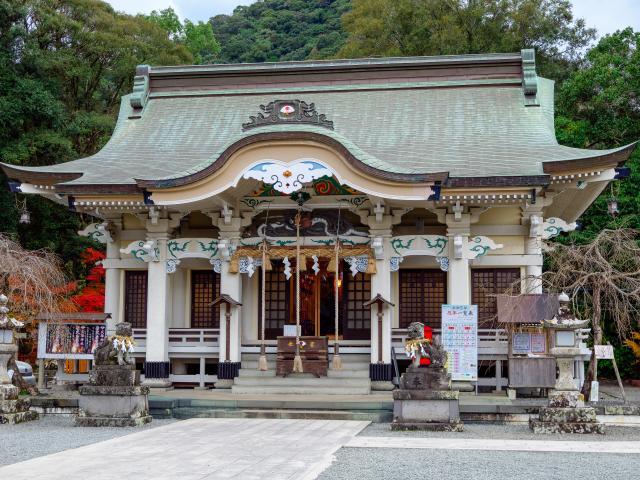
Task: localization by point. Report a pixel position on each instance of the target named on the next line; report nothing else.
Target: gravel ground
(51, 434)
(506, 432)
(399, 464)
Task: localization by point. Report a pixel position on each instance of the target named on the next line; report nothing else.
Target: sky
(605, 15)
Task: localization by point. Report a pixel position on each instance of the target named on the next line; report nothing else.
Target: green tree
(168, 20)
(281, 30)
(64, 64)
(198, 38)
(598, 107)
(201, 42)
(444, 27)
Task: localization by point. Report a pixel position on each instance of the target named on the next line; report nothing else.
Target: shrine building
(238, 201)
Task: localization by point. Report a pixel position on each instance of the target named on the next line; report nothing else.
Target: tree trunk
(18, 380)
(597, 340)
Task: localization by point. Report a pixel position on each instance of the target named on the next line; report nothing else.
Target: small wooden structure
(530, 363)
(228, 302)
(381, 302)
(314, 352)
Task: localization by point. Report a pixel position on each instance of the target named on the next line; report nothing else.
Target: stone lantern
(12, 409)
(566, 412)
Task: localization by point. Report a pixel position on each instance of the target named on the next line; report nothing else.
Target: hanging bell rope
(262, 360)
(337, 361)
(297, 360)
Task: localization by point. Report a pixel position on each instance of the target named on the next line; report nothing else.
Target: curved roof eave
(305, 134)
(38, 175)
(607, 157)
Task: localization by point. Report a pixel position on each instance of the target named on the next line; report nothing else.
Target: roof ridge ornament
(140, 92)
(286, 112)
(529, 77)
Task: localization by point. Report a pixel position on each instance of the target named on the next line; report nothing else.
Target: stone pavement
(494, 445)
(201, 449)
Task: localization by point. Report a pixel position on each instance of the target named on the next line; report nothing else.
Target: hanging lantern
(25, 216)
(612, 206)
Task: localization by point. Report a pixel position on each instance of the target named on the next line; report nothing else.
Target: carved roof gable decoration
(288, 111)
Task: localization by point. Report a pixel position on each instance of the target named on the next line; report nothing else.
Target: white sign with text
(460, 340)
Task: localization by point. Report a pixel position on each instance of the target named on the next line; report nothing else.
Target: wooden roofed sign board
(71, 336)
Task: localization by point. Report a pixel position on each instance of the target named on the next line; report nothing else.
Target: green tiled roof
(468, 130)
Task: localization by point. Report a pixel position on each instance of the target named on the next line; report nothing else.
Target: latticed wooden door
(205, 288)
(135, 298)
(422, 293)
(486, 283)
(276, 301)
(356, 318)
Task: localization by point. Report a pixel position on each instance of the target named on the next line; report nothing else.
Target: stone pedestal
(566, 413)
(425, 402)
(113, 398)
(14, 409)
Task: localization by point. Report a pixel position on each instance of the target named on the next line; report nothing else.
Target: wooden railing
(183, 340)
(491, 341)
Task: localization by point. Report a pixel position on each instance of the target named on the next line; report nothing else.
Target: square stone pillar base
(114, 398)
(13, 409)
(566, 414)
(424, 402)
(434, 410)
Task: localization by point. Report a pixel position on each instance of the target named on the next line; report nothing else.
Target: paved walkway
(494, 445)
(201, 449)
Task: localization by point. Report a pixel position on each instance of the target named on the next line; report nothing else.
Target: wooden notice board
(527, 372)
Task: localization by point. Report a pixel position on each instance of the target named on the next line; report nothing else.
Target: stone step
(246, 372)
(253, 365)
(302, 382)
(253, 357)
(345, 373)
(376, 416)
(296, 390)
(348, 365)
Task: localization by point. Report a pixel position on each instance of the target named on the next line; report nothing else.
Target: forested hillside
(277, 30)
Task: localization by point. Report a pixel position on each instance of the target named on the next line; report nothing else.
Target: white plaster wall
(250, 307)
(181, 294)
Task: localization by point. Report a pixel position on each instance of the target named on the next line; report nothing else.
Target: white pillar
(381, 284)
(157, 367)
(459, 275)
(533, 282)
(112, 281)
(532, 219)
(380, 229)
(230, 284)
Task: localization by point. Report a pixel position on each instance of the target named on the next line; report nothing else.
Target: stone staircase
(353, 379)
